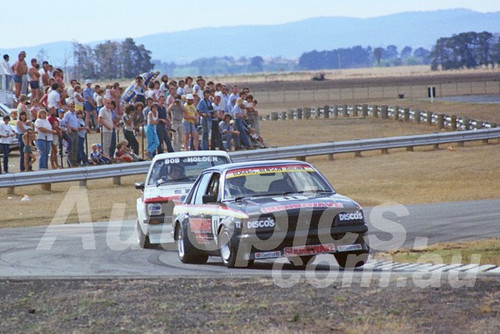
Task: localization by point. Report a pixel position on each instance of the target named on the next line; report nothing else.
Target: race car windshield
(273, 181)
(181, 170)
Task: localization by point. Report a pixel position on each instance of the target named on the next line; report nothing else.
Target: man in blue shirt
(205, 109)
(161, 127)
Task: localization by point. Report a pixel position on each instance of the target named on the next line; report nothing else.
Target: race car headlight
(154, 209)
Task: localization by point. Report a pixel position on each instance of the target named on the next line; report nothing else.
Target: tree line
(111, 60)
(466, 50)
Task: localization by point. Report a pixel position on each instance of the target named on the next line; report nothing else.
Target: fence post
(335, 112)
(289, 114)
(453, 121)
(355, 110)
(299, 113)
(440, 121)
(326, 113)
(307, 113)
(274, 116)
(345, 110)
(364, 110)
(396, 113)
(429, 118)
(406, 114)
(283, 115)
(383, 112)
(375, 111)
(417, 116)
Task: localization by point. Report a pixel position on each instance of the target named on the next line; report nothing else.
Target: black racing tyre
(228, 247)
(142, 238)
(351, 260)
(185, 249)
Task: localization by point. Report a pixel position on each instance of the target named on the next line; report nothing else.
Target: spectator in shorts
(189, 122)
(128, 128)
(27, 152)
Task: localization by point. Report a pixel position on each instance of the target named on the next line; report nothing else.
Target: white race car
(170, 177)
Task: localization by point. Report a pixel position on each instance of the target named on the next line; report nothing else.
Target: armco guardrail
(83, 174)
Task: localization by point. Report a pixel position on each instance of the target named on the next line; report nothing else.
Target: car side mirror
(139, 185)
(209, 199)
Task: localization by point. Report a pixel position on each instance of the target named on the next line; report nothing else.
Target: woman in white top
(152, 137)
(44, 138)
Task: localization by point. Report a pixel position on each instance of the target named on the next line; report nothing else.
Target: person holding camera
(176, 111)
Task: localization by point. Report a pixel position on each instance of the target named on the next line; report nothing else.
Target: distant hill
(290, 40)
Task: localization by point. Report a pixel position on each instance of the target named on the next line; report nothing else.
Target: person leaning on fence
(106, 122)
(6, 133)
(72, 128)
(128, 128)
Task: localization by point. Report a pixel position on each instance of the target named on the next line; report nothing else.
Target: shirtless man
(19, 69)
(34, 77)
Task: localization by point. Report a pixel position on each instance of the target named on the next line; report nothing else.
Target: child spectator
(97, 157)
(29, 158)
(124, 154)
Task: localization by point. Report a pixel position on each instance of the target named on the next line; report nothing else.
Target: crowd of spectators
(188, 114)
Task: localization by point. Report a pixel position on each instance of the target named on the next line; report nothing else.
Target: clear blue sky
(42, 21)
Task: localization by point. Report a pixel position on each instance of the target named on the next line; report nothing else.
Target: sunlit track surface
(108, 250)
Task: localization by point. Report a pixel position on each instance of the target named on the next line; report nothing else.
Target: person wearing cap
(205, 109)
(239, 115)
(228, 132)
(89, 105)
(216, 119)
(189, 120)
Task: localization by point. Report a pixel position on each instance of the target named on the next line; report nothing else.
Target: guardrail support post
(326, 113)
(301, 158)
(83, 183)
(385, 151)
(409, 148)
(435, 147)
(330, 157)
(440, 121)
(117, 180)
(10, 190)
(357, 154)
(46, 186)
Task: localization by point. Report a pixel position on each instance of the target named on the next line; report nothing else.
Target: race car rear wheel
(185, 249)
(143, 239)
(352, 259)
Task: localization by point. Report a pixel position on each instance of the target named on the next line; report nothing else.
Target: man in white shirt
(6, 133)
(107, 125)
(54, 98)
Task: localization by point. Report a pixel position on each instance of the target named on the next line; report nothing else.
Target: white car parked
(170, 177)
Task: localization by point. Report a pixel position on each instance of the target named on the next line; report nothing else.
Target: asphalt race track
(109, 249)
